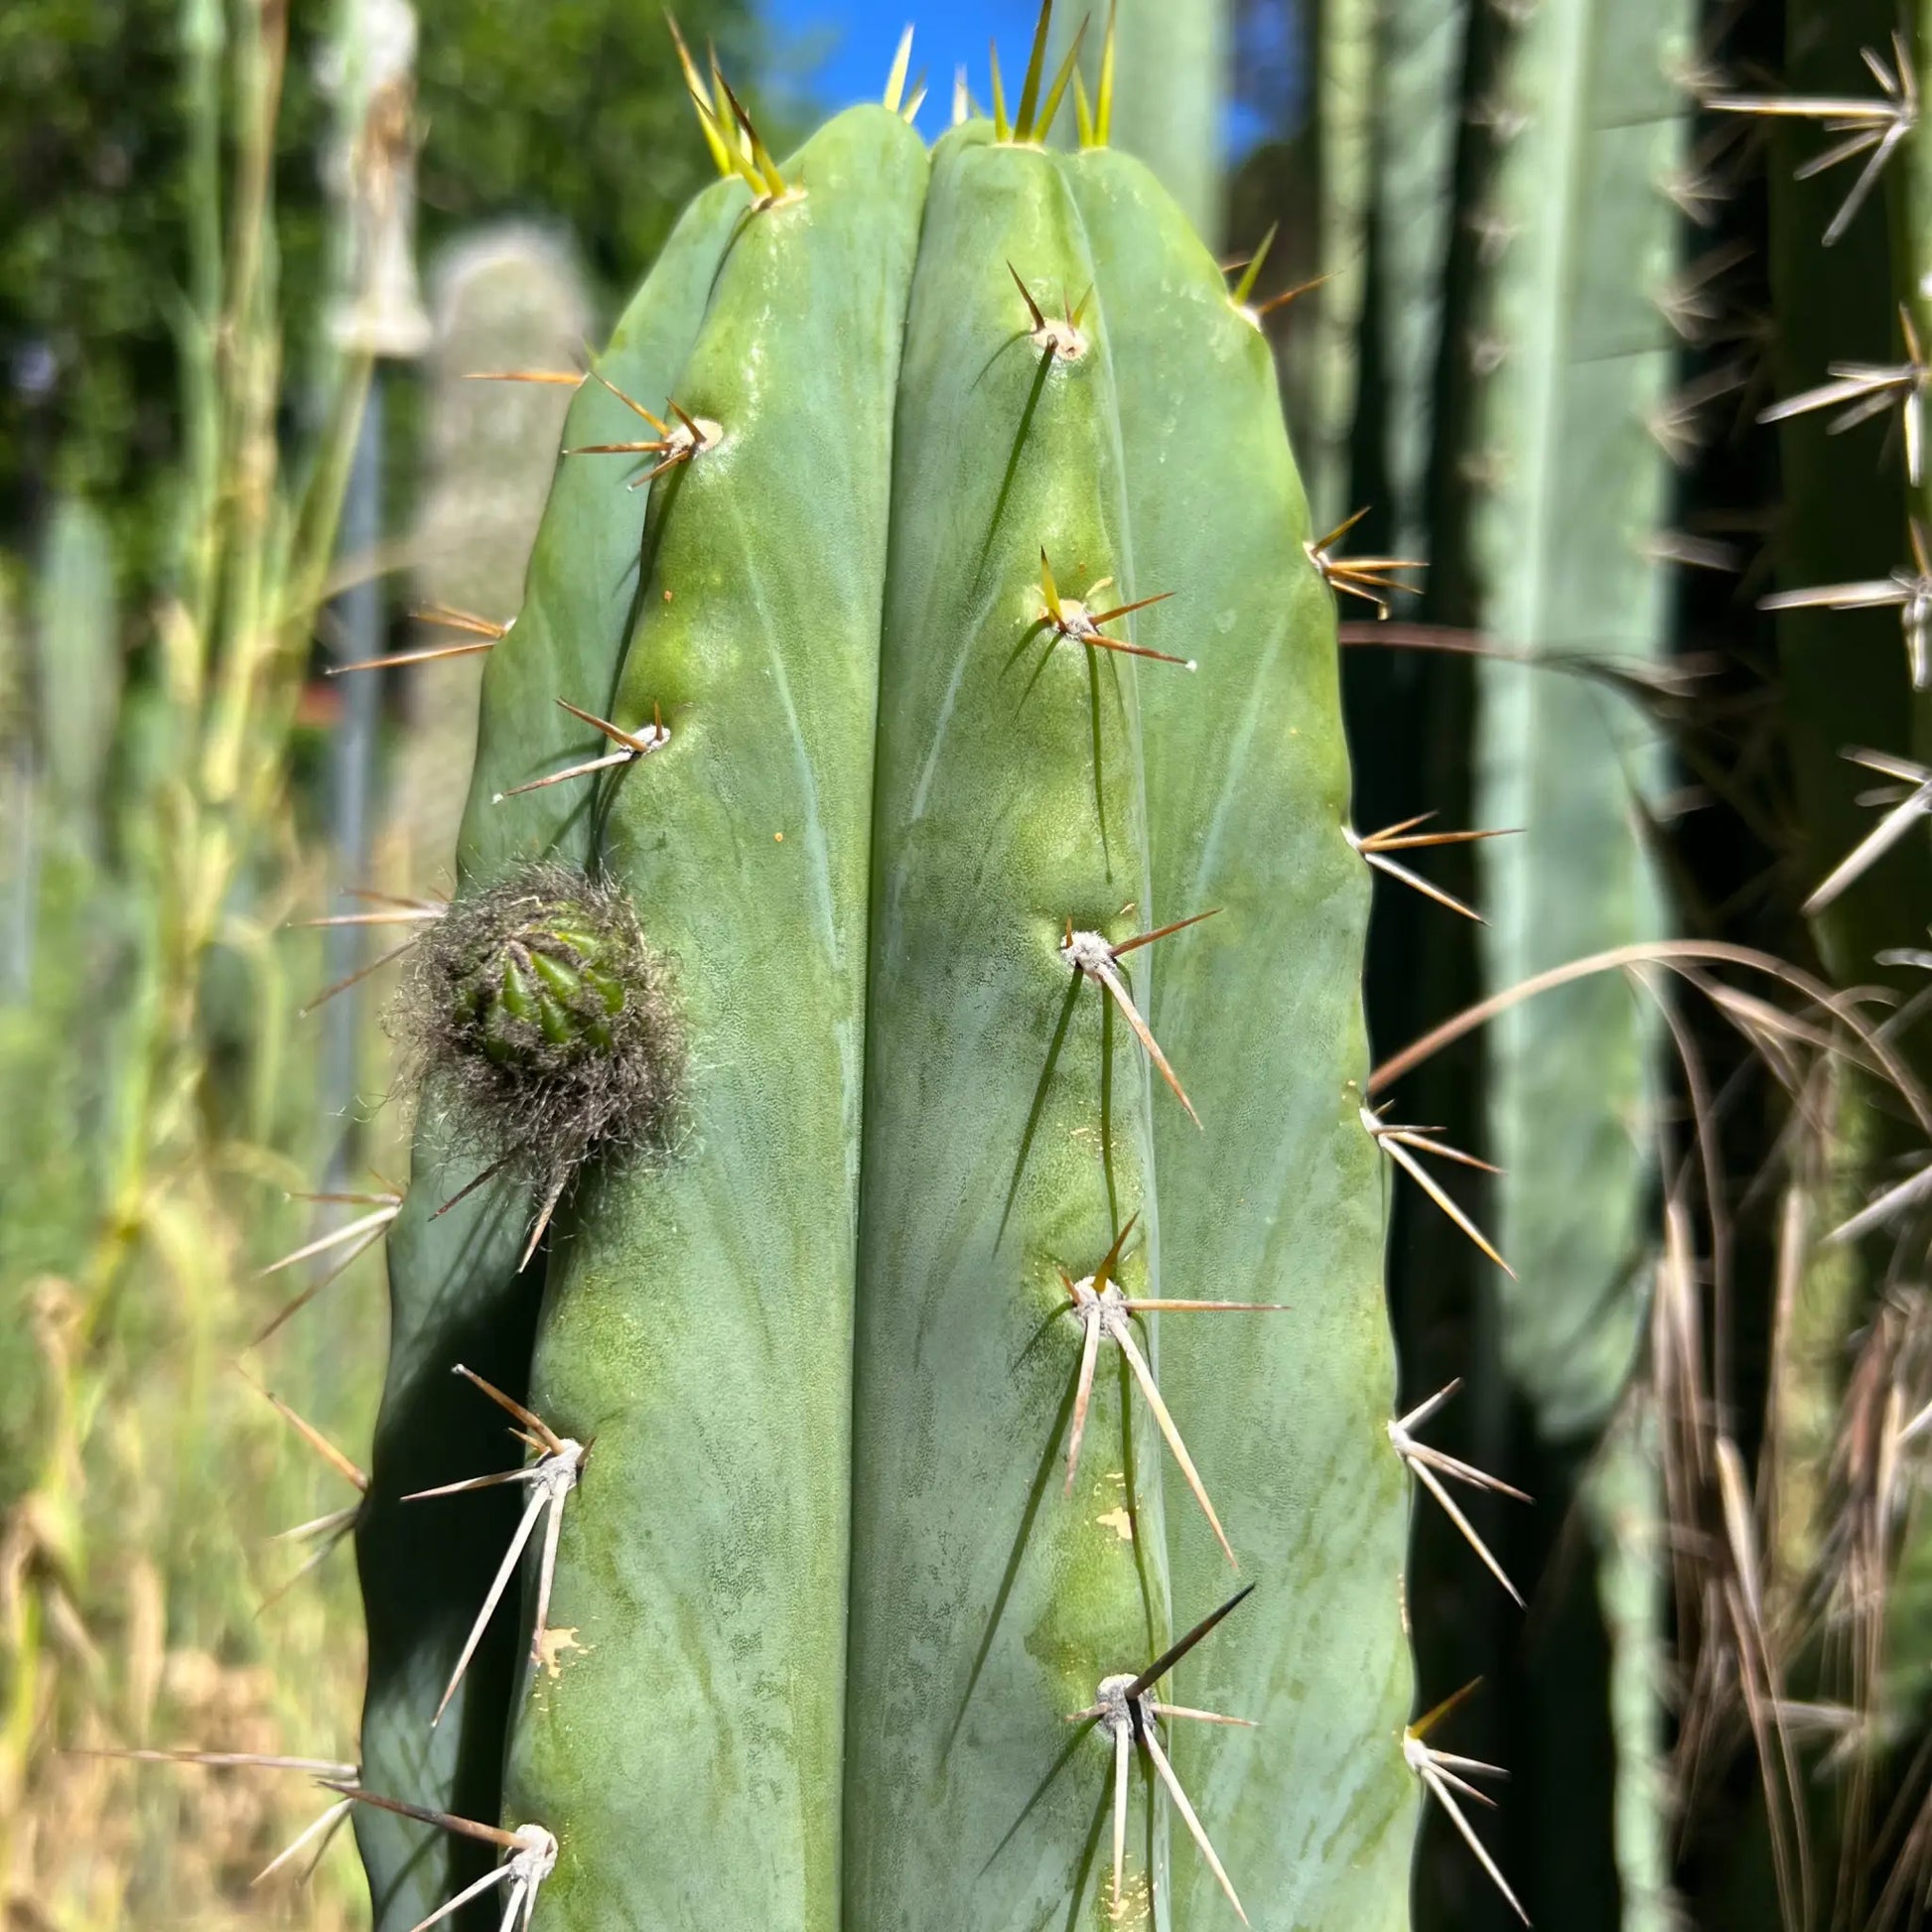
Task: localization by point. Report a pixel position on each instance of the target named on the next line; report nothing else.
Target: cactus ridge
(820, 1609)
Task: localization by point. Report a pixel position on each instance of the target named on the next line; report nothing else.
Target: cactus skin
(1247, 794)
(455, 1290)
(820, 1608)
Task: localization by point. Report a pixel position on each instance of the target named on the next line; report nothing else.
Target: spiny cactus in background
(1581, 360)
(956, 714)
(507, 299)
(1846, 1537)
(1524, 271)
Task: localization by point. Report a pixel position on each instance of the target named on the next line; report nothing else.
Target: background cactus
(509, 298)
(820, 1609)
(1576, 351)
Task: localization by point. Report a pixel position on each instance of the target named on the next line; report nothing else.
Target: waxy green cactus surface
(1003, 1294)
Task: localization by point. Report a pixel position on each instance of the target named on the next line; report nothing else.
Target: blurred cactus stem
(1170, 100)
(1346, 51)
(506, 298)
(379, 313)
(76, 667)
(1577, 428)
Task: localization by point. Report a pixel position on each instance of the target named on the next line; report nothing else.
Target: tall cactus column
(1576, 433)
(455, 1291)
(875, 1465)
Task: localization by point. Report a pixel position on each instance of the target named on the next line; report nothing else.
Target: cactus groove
(1012, 1259)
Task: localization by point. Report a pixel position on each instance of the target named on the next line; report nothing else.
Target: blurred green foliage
(573, 112)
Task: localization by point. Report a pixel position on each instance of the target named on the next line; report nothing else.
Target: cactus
(1591, 121)
(1525, 359)
(1419, 71)
(1346, 49)
(506, 297)
(1848, 221)
(1010, 954)
(1169, 98)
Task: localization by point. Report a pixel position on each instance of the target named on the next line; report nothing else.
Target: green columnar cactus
(1845, 676)
(1170, 90)
(1575, 441)
(1419, 66)
(1346, 108)
(456, 1291)
(1850, 227)
(1003, 1289)
(1575, 409)
(1247, 798)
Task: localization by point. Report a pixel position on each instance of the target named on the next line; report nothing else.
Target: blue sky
(848, 48)
(860, 36)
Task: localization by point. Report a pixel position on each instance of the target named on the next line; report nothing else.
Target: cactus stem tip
(1040, 96)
